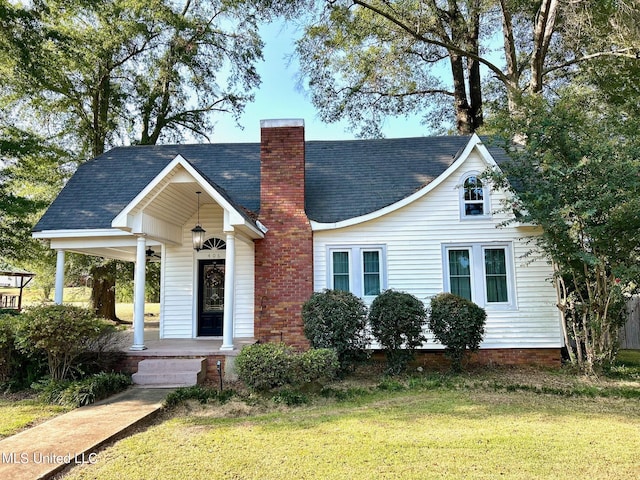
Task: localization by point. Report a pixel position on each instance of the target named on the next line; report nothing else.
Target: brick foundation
(284, 258)
(537, 357)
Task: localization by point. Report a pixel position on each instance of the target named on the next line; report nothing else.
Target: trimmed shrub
(83, 392)
(270, 366)
(62, 332)
(317, 365)
(397, 320)
(337, 320)
(265, 366)
(458, 324)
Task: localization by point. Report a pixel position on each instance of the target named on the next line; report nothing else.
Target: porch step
(170, 372)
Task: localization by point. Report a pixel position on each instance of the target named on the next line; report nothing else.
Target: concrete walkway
(45, 449)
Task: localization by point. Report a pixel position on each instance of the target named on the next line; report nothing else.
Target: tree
(98, 74)
(104, 72)
(32, 171)
(368, 59)
(576, 177)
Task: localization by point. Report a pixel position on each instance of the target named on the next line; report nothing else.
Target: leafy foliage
(18, 369)
(577, 179)
(336, 319)
(32, 170)
(458, 324)
(366, 60)
(269, 366)
(122, 68)
(197, 392)
(63, 332)
(397, 320)
(7, 346)
(82, 392)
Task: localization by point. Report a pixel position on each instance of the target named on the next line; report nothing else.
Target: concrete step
(170, 372)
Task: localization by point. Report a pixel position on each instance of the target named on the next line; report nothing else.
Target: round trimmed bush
(265, 366)
(270, 366)
(337, 320)
(458, 324)
(397, 320)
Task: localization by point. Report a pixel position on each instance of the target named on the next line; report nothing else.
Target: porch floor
(179, 346)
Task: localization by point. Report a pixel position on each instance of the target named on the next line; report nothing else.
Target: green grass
(407, 432)
(628, 358)
(80, 296)
(16, 415)
(124, 311)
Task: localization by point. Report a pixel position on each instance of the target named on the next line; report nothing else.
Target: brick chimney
(284, 258)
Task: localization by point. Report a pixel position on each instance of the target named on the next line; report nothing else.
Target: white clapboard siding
(179, 274)
(244, 296)
(414, 237)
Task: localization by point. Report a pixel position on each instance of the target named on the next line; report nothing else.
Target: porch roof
(101, 188)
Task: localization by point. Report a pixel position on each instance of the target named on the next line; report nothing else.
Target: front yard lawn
(16, 415)
(472, 429)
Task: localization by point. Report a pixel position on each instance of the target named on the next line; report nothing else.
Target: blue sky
(279, 97)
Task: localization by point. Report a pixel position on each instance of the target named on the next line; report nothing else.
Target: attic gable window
(474, 197)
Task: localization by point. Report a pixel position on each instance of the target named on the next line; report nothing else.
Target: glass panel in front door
(213, 288)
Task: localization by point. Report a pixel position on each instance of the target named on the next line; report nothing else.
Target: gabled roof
(102, 187)
(344, 179)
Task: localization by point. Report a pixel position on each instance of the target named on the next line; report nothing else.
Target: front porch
(208, 348)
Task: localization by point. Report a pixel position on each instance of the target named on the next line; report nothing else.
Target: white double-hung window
(358, 269)
(482, 273)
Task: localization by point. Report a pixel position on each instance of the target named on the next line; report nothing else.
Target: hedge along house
(286, 217)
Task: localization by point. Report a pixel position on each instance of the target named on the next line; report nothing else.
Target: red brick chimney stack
(284, 258)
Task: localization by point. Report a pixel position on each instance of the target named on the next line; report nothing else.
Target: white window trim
(356, 267)
(330, 271)
(478, 272)
(486, 197)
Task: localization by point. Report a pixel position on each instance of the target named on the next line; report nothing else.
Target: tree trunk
(103, 293)
(464, 122)
(473, 66)
(543, 30)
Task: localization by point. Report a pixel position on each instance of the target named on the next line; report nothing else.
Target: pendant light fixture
(197, 232)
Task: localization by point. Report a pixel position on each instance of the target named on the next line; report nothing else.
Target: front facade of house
(288, 217)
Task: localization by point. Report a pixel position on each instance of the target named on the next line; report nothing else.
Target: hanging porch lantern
(197, 232)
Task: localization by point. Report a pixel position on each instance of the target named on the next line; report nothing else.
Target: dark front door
(210, 297)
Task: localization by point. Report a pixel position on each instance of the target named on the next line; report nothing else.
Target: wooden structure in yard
(11, 300)
(630, 333)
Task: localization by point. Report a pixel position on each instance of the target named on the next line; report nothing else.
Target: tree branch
(448, 46)
(625, 52)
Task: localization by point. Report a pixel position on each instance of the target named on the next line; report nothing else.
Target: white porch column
(138, 295)
(229, 293)
(59, 289)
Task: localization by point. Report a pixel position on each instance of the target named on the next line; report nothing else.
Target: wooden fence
(630, 333)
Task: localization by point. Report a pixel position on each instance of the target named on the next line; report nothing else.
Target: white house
(286, 217)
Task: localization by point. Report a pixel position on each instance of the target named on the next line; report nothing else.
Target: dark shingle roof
(102, 187)
(344, 179)
(352, 178)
